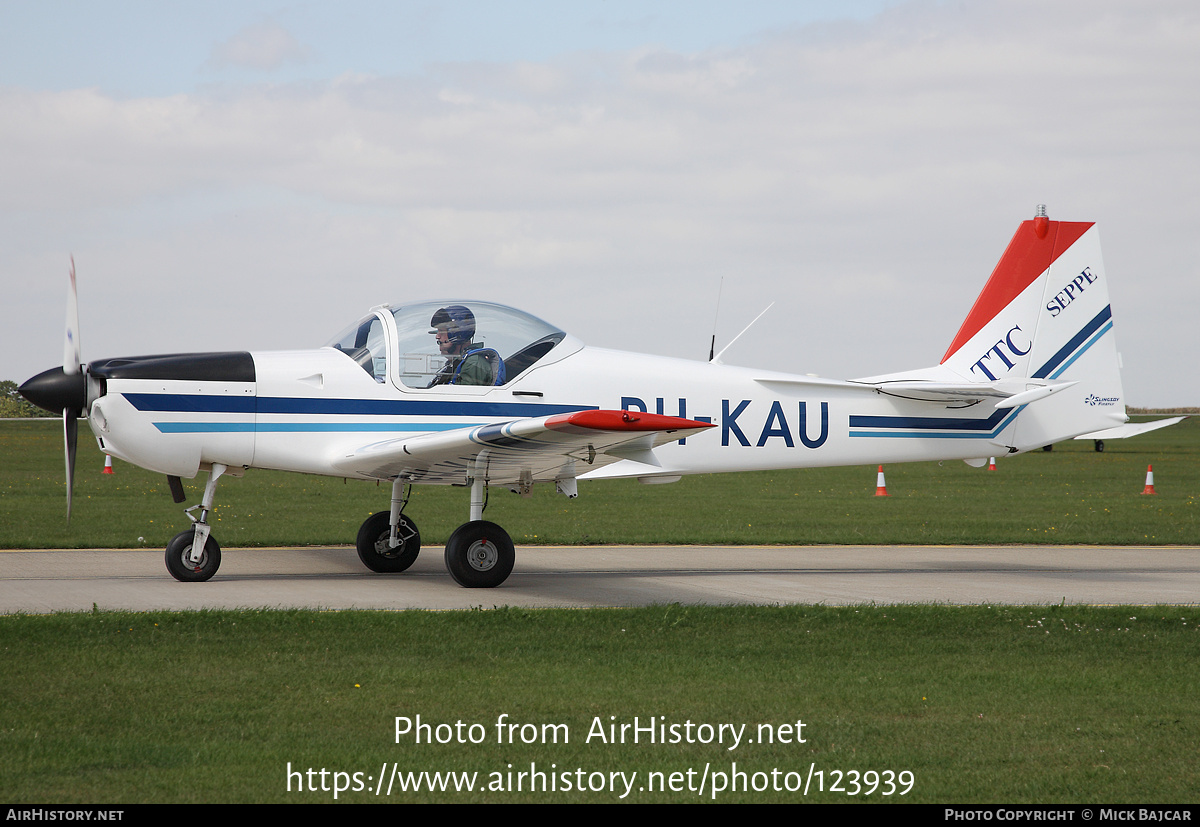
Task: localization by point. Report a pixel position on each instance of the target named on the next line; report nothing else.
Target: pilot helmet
(459, 321)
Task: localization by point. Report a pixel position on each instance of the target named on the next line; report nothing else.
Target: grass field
(980, 704)
(1071, 495)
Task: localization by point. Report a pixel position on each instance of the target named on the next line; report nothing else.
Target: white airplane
(496, 397)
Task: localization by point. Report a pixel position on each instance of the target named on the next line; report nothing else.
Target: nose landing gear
(193, 556)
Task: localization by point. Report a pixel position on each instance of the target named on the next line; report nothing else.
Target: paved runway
(333, 578)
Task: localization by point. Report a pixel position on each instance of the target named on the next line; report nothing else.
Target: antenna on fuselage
(717, 358)
(713, 344)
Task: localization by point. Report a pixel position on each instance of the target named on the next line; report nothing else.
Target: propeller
(70, 438)
(72, 361)
(64, 389)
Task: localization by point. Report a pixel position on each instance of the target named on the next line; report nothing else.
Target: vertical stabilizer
(1044, 317)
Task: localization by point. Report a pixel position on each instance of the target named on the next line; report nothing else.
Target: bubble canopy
(517, 339)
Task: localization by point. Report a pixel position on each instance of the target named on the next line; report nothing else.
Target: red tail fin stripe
(1026, 258)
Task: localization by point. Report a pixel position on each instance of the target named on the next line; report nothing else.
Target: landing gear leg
(480, 554)
(193, 555)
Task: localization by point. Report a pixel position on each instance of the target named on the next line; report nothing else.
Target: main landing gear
(479, 554)
(388, 541)
(374, 544)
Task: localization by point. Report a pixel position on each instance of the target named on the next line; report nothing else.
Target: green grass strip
(981, 704)
(1071, 495)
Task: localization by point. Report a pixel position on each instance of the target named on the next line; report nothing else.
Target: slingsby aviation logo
(1103, 401)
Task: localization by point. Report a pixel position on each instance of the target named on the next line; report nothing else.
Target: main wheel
(179, 550)
(373, 547)
(480, 555)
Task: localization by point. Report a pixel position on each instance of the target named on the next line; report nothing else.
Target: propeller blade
(72, 366)
(70, 438)
(72, 354)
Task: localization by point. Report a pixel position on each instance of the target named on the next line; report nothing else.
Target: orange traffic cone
(1149, 489)
(880, 485)
(991, 463)
(107, 465)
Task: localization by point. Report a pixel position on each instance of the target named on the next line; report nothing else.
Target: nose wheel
(480, 555)
(180, 562)
(184, 561)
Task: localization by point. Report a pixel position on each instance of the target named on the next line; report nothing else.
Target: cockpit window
(468, 343)
(364, 342)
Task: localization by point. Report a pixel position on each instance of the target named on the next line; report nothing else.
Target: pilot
(454, 327)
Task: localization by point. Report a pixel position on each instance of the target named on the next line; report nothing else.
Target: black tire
(480, 555)
(181, 568)
(1099, 446)
(372, 543)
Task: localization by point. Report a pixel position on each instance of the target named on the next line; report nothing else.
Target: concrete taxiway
(333, 578)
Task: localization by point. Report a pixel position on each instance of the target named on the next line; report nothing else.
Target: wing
(521, 450)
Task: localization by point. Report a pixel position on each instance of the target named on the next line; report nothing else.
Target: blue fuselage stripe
(204, 403)
(931, 423)
(304, 427)
(922, 429)
(191, 403)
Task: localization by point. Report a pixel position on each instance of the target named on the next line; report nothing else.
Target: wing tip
(600, 420)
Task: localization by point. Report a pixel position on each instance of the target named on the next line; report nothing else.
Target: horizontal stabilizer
(1010, 393)
(962, 392)
(1132, 429)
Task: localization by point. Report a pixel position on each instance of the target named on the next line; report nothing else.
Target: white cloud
(263, 46)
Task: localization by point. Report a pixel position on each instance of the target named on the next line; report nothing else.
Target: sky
(257, 175)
